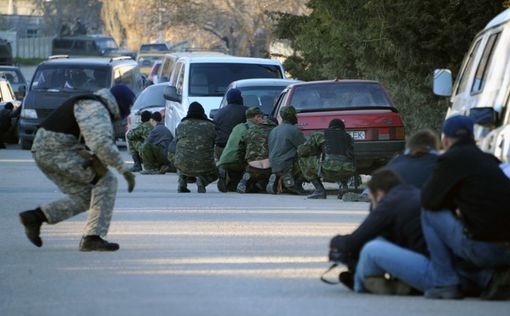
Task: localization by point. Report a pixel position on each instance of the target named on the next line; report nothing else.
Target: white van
(204, 79)
(482, 87)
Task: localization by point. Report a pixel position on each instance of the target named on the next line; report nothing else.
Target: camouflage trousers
(311, 165)
(153, 157)
(57, 156)
(135, 146)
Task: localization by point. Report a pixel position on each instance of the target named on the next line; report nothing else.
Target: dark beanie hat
(124, 97)
(196, 110)
(156, 116)
(253, 111)
(289, 115)
(145, 116)
(458, 126)
(337, 123)
(234, 97)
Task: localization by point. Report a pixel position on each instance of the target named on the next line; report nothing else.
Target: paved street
(187, 254)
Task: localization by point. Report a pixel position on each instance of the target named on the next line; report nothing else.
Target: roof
(335, 81)
(499, 19)
(87, 36)
(97, 61)
(230, 59)
(263, 82)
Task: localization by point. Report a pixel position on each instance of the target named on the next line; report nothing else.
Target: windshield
(69, 78)
(212, 79)
(106, 43)
(151, 96)
(162, 47)
(338, 95)
(148, 61)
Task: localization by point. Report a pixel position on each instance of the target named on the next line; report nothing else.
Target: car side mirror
(442, 84)
(485, 116)
(213, 113)
(170, 93)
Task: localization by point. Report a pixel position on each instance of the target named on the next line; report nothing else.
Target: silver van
(482, 88)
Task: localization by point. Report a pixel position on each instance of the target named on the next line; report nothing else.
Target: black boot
(137, 166)
(242, 186)
(320, 192)
(342, 190)
(201, 184)
(183, 185)
(32, 220)
(291, 186)
(222, 180)
(272, 183)
(96, 243)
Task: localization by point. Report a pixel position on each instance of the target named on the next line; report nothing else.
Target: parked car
(482, 87)
(57, 80)
(257, 92)
(151, 99)
(365, 107)
(16, 79)
(154, 47)
(205, 79)
(153, 76)
(146, 61)
(89, 45)
(6, 96)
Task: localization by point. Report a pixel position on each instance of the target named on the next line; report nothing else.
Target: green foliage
(397, 42)
(28, 61)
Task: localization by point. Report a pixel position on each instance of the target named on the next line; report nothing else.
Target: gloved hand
(130, 179)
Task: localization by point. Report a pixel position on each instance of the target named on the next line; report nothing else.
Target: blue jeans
(380, 256)
(447, 243)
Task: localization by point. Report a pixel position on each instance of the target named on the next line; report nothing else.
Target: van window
(483, 66)
(168, 66)
(106, 44)
(69, 78)
(175, 74)
(212, 79)
(463, 77)
(180, 81)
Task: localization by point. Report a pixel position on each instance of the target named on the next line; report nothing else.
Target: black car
(16, 79)
(57, 80)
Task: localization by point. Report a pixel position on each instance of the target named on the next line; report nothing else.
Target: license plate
(357, 135)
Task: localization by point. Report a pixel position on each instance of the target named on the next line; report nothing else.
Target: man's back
(283, 142)
(226, 119)
(256, 141)
(195, 145)
(414, 169)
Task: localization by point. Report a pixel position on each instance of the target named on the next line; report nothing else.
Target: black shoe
(32, 220)
(200, 185)
(242, 186)
(183, 190)
(498, 287)
(137, 163)
(2, 146)
(447, 292)
(383, 286)
(96, 243)
(320, 192)
(347, 279)
(222, 180)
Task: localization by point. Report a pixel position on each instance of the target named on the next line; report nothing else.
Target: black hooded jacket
(226, 119)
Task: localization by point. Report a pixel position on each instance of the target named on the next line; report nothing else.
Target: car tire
(25, 144)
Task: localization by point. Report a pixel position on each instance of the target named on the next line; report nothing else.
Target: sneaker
(150, 171)
(32, 222)
(96, 243)
(447, 292)
(498, 287)
(381, 285)
(200, 185)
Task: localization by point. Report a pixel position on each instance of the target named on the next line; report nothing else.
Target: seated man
(328, 154)
(136, 137)
(284, 140)
(254, 151)
(395, 215)
(230, 166)
(466, 216)
(155, 148)
(194, 153)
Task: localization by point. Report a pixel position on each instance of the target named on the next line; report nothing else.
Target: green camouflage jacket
(253, 145)
(194, 151)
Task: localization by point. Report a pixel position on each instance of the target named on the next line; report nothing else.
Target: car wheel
(25, 144)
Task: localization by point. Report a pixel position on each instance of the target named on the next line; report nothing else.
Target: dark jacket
(283, 142)
(225, 120)
(412, 169)
(160, 135)
(470, 180)
(6, 116)
(396, 218)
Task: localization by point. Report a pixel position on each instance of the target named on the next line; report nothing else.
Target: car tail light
(386, 133)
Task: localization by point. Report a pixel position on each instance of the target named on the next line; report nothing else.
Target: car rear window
(71, 78)
(147, 61)
(262, 96)
(212, 79)
(12, 76)
(153, 48)
(338, 95)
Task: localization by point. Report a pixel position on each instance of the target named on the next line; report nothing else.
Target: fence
(33, 47)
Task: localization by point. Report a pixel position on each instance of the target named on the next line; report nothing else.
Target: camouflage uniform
(137, 136)
(337, 170)
(57, 155)
(194, 153)
(253, 146)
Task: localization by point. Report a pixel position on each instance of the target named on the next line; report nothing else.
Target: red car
(366, 109)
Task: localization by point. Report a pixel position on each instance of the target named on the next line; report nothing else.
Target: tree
(398, 42)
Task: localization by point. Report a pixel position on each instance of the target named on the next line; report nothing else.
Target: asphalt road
(187, 254)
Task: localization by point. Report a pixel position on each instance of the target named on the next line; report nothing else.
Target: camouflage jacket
(231, 151)
(253, 145)
(194, 151)
(140, 133)
(96, 129)
(314, 146)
